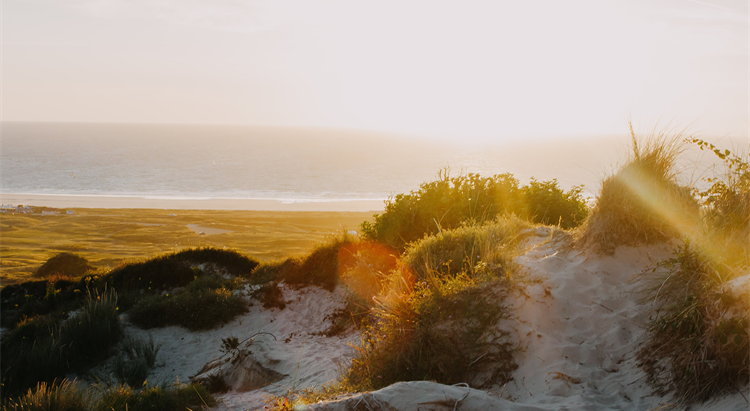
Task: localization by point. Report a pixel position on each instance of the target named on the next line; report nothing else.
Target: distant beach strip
(182, 203)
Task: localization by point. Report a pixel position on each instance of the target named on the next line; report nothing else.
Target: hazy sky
(490, 69)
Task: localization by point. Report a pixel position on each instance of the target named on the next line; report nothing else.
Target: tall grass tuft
(65, 396)
(698, 345)
(643, 202)
(56, 350)
(435, 320)
(137, 357)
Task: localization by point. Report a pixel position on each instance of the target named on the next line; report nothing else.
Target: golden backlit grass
(108, 237)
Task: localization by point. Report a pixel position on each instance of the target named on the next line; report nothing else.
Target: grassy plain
(108, 237)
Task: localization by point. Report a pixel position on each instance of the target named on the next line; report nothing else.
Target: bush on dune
(434, 320)
(40, 350)
(206, 303)
(698, 345)
(642, 203)
(448, 202)
(64, 264)
(174, 270)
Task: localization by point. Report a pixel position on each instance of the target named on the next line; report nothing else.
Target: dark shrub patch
(73, 345)
(234, 262)
(698, 345)
(206, 303)
(65, 264)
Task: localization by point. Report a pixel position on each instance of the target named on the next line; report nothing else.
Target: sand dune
(578, 322)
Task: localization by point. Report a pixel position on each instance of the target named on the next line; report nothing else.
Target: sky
(487, 70)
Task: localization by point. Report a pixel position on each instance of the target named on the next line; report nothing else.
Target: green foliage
(206, 303)
(321, 266)
(236, 263)
(474, 249)
(548, 204)
(55, 350)
(137, 357)
(697, 346)
(173, 270)
(270, 295)
(64, 396)
(448, 202)
(435, 317)
(65, 264)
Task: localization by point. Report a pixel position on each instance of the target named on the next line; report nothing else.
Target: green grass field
(107, 237)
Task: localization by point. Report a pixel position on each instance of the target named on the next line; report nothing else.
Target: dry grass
(435, 320)
(643, 202)
(108, 237)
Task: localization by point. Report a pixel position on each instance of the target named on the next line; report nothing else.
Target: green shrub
(643, 202)
(320, 267)
(173, 270)
(95, 330)
(206, 303)
(160, 273)
(65, 264)
(548, 204)
(56, 350)
(697, 346)
(270, 296)
(449, 202)
(236, 264)
(65, 396)
(137, 357)
(443, 204)
(434, 319)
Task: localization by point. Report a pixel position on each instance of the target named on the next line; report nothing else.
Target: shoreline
(249, 204)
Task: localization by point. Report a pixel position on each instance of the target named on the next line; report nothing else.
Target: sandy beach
(100, 201)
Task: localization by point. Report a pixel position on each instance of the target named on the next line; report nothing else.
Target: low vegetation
(205, 303)
(448, 202)
(643, 203)
(698, 346)
(44, 349)
(67, 396)
(435, 319)
(65, 265)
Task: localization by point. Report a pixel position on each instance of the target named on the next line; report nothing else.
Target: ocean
(280, 163)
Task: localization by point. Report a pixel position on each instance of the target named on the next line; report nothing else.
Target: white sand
(184, 353)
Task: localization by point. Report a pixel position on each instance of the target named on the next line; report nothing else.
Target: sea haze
(288, 164)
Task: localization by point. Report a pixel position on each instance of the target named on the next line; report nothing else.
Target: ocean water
(288, 164)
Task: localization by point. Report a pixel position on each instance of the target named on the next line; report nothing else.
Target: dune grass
(697, 346)
(643, 203)
(434, 320)
(65, 396)
(205, 303)
(42, 350)
(68, 396)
